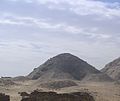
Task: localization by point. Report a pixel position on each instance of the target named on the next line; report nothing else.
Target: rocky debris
(58, 84)
(24, 95)
(100, 77)
(52, 96)
(63, 66)
(6, 82)
(113, 69)
(4, 97)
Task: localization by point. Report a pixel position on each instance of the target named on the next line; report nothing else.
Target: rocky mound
(52, 96)
(113, 69)
(6, 82)
(63, 66)
(58, 84)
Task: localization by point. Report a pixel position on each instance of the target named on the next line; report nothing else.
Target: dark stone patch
(53, 96)
(4, 97)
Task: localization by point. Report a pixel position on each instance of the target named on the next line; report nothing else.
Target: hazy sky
(31, 31)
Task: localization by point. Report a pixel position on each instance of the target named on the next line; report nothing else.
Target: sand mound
(58, 84)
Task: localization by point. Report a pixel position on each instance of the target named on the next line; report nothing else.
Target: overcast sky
(31, 31)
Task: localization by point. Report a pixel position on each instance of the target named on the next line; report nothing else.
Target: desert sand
(101, 91)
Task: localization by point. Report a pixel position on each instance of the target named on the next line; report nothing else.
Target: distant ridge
(113, 69)
(66, 66)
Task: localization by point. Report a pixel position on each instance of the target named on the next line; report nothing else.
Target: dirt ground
(100, 90)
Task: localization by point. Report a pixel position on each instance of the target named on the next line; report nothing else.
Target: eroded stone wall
(52, 96)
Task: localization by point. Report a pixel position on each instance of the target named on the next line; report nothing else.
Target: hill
(65, 66)
(113, 69)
